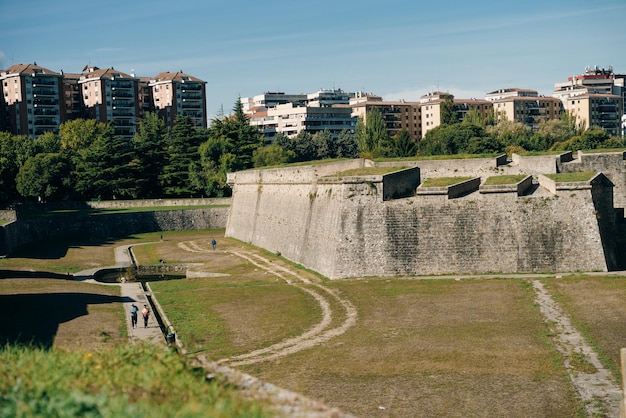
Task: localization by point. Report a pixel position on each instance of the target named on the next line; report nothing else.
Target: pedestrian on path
(146, 314)
(213, 244)
(133, 315)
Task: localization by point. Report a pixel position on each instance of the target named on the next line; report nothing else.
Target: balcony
(44, 82)
(44, 92)
(121, 85)
(118, 104)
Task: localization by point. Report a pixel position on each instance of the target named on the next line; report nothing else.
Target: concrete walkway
(131, 292)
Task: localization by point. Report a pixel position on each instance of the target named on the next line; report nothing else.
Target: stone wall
(344, 228)
(103, 226)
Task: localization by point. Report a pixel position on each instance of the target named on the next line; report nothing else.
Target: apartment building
(431, 108)
(179, 94)
(110, 96)
(524, 106)
(313, 112)
(398, 115)
(36, 100)
(33, 99)
(271, 99)
(597, 110)
(596, 98)
(291, 120)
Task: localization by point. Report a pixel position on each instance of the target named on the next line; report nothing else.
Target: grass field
(437, 347)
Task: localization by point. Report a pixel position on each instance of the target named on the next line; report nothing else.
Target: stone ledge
(520, 187)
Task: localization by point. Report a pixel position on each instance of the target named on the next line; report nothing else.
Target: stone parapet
(518, 188)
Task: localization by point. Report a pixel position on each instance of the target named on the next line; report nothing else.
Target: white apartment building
(291, 114)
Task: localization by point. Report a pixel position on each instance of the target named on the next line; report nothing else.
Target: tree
(455, 139)
(78, 134)
(150, 154)
(181, 149)
(402, 145)
(104, 168)
(48, 142)
(448, 111)
(324, 144)
(245, 138)
(272, 154)
(346, 145)
(45, 176)
(304, 147)
(371, 135)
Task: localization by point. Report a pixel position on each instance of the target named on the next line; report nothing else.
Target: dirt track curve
(316, 335)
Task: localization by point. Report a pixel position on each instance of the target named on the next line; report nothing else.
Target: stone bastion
(345, 225)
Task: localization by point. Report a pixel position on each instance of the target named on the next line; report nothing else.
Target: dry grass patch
(434, 348)
(596, 306)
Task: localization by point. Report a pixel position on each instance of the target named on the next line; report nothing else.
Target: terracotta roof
(177, 76)
(28, 69)
(108, 73)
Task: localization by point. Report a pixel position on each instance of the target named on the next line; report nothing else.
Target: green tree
(324, 144)
(80, 133)
(150, 155)
(272, 154)
(448, 110)
(45, 176)
(245, 138)
(371, 135)
(510, 133)
(346, 146)
(304, 147)
(105, 167)
(181, 148)
(454, 139)
(402, 145)
(48, 142)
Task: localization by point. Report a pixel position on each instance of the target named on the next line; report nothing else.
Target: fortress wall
(297, 221)
(347, 230)
(611, 164)
(469, 235)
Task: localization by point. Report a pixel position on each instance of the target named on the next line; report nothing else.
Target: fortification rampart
(345, 227)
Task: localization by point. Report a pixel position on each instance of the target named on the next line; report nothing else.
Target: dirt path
(316, 335)
(598, 390)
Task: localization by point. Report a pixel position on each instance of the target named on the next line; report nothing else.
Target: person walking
(133, 315)
(146, 314)
(213, 244)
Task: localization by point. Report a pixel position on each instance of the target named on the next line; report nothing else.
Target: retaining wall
(103, 226)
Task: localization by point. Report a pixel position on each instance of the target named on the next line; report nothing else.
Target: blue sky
(398, 49)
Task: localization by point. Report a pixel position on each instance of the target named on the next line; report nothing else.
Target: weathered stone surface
(345, 228)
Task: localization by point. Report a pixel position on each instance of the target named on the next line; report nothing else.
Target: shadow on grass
(57, 249)
(33, 319)
(18, 274)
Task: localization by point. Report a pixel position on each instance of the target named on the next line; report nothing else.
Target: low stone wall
(518, 188)
(96, 227)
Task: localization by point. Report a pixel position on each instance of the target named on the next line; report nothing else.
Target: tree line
(85, 160)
